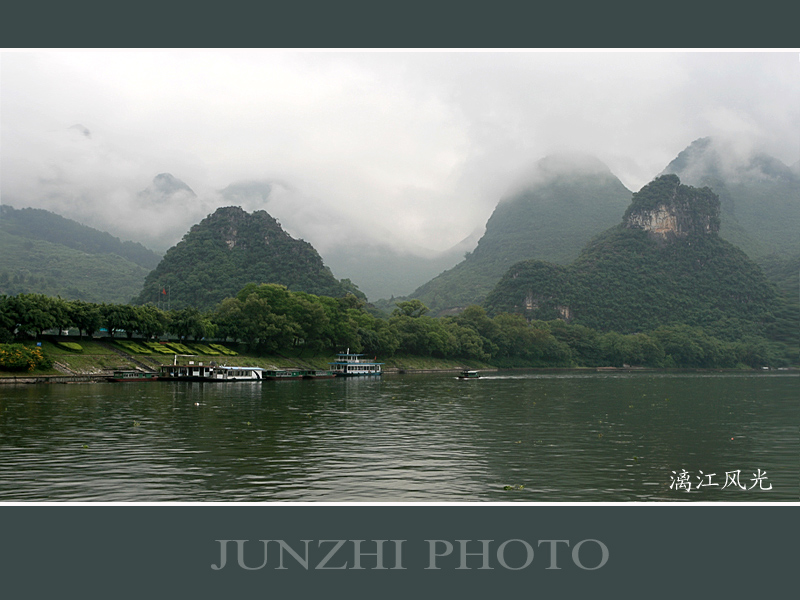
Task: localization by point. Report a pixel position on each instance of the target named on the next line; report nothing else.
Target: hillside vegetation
(565, 203)
(230, 249)
(784, 271)
(665, 265)
(42, 252)
(38, 224)
(37, 266)
(269, 320)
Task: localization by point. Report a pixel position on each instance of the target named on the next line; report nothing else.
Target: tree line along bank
(269, 318)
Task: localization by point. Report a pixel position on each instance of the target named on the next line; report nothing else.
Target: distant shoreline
(101, 356)
(36, 379)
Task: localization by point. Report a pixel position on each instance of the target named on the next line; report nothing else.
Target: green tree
(311, 318)
(85, 316)
(151, 321)
(410, 308)
(37, 313)
(188, 323)
(229, 321)
(9, 318)
(118, 317)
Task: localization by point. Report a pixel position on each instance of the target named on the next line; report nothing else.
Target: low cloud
(410, 150)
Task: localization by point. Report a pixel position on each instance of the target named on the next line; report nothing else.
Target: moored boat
(124, 376)
(211, 372)
(354, 365)
(282, 375)
(317, 374)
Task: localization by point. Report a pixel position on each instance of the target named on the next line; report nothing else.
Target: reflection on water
(525, 436)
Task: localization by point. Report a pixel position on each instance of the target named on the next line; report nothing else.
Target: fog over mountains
(401, 155)
(549, 212)
(759, 194)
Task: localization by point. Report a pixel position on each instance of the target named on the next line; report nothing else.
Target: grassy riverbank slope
(100, 357)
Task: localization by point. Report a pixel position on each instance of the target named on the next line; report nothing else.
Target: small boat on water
(124, 376)
(469, 375)
(354, 365)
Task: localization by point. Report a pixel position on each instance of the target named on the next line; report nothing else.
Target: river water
(516, 437)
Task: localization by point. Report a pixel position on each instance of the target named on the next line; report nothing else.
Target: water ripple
(525, 437)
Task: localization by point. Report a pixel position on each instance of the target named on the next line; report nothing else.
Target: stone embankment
(52, 379)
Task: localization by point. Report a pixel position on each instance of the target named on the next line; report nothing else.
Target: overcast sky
(413, 149)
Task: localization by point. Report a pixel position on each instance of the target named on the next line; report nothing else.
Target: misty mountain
(166, 188)
(30, 266)
(229, 249)
(38, 224)
(759, 195)
(247, 193)
(557, 208)
(44, 253)
(382, 270)
(665, 264)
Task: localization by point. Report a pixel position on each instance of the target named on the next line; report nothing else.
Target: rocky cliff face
(668, 210)
(239, 229)
(662, 221)
(759, 195)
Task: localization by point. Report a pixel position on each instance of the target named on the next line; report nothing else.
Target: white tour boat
(210, 372)
(354, 365)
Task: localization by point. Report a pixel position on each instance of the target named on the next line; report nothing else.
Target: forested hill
(38, 267)
(38, 224)
(230, 249)
(44, 253)
(665, 264)
(564, 202)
